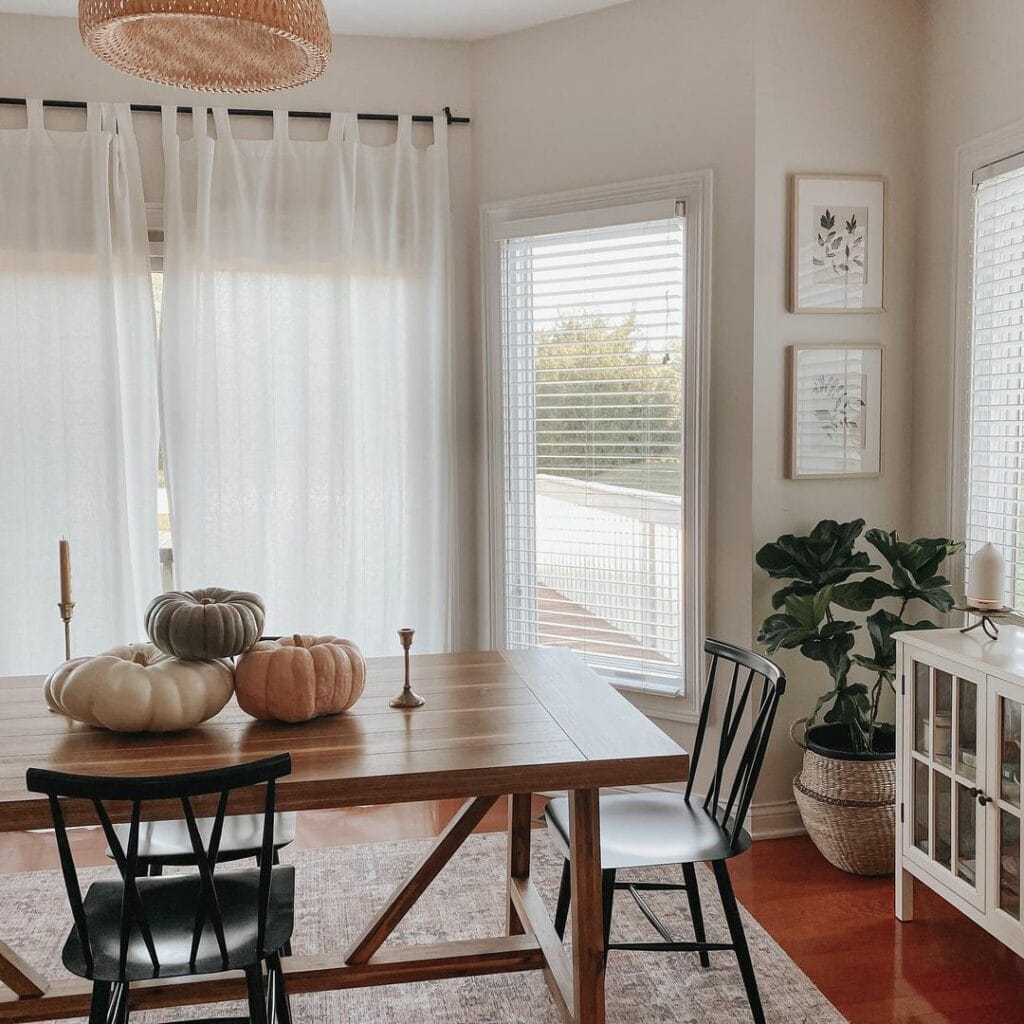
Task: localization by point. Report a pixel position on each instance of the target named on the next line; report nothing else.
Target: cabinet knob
(982, 799)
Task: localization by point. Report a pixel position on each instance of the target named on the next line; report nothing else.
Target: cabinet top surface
(1004, 655)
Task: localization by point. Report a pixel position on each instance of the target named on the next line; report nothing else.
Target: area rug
(338, 888)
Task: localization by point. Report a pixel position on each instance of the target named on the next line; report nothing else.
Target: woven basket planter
(849, 809)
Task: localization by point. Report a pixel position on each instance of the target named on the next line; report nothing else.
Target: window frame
(974, 156)
(572, 210)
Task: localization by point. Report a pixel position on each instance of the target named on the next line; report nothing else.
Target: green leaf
(860, 595)
(832, 650)
(809, 609)
(882, 625)
(798, 587)
(915, 565)
(849, 708)
(825, 556)
(783, 631)
(887, 672)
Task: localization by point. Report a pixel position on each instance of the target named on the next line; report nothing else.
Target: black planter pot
(833, 740)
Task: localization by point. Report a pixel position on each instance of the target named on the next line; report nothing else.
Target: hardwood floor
(940, 969)
(840, 929)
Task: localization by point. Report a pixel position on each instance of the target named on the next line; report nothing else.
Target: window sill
(651, 688)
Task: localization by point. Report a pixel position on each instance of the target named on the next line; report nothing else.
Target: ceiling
(424, 19)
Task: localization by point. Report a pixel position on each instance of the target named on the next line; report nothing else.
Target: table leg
(18, 975)
(404, 898)
(588, 951)
(519, 805)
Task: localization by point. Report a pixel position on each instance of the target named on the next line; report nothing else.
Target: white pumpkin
(137, 688)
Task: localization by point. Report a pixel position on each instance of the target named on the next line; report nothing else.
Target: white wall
(756, 91)
(973, 84)
(838, 90)
(644, 89)
(44, 58)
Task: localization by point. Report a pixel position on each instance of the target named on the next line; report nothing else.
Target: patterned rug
(339, 887)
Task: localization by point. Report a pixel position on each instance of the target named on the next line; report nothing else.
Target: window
(994, 442)
(597, 380)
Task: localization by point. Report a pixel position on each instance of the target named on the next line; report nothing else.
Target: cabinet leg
(904, 894)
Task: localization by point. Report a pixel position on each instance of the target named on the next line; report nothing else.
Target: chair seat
(168, 842)
(651, 828)
(170, 908)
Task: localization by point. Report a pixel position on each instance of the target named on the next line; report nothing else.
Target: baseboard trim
(775, 819)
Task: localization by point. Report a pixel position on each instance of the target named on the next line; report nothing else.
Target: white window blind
(995, 445)
(592, 328)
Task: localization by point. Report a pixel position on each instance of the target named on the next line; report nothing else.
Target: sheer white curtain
(305, 375)
(78, 411)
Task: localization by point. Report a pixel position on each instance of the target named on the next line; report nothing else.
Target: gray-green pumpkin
(200, 625)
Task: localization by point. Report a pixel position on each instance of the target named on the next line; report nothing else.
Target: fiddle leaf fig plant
(819, 569)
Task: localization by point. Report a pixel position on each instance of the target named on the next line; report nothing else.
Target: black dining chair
(654, 828)
(165, 844)
(135, 928)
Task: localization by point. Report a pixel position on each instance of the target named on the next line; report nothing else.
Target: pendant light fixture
(231, 46)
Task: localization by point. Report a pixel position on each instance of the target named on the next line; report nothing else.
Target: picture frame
(837, 243)
(834, 411)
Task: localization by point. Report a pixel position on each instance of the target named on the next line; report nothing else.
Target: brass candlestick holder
(408, 698)
(67, 609)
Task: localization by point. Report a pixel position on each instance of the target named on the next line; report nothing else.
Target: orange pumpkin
(298, 678)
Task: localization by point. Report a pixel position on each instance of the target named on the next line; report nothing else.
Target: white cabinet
(958, 822)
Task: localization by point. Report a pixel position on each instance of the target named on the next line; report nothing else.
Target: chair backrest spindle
(737, 761)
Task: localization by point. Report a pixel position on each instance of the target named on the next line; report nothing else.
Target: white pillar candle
(987, 580)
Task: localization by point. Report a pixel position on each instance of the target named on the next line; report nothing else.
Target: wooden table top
(494, 722)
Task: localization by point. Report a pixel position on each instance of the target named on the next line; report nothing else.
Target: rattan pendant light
(215, 45)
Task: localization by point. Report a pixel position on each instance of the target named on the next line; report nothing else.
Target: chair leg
(564, 896)
(739, 939)
(100, 1002)
(117, 1012)
(696, 913)
(281, 1009)
(256, 993)
(608, 901)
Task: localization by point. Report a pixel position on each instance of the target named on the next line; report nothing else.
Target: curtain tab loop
(340, 128)
(441, 129)
(405, 129)
(34, 110)
(169, 126)
(221, 121)
(281, 125)
(124, 120)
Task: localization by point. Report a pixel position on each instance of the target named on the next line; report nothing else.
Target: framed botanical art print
(837, 244)
(835, 411)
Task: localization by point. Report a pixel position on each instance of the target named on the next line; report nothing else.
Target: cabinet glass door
(944, 832)
(1004, 788)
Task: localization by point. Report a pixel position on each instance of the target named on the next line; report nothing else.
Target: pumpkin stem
(206, 600)
(139, 657)
(297, 640)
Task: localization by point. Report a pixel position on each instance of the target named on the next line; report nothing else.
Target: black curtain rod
(155, 108)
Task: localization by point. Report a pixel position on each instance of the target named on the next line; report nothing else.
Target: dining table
(496, 725)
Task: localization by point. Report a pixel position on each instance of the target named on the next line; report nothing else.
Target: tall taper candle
(65, 571)
(66, 606)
